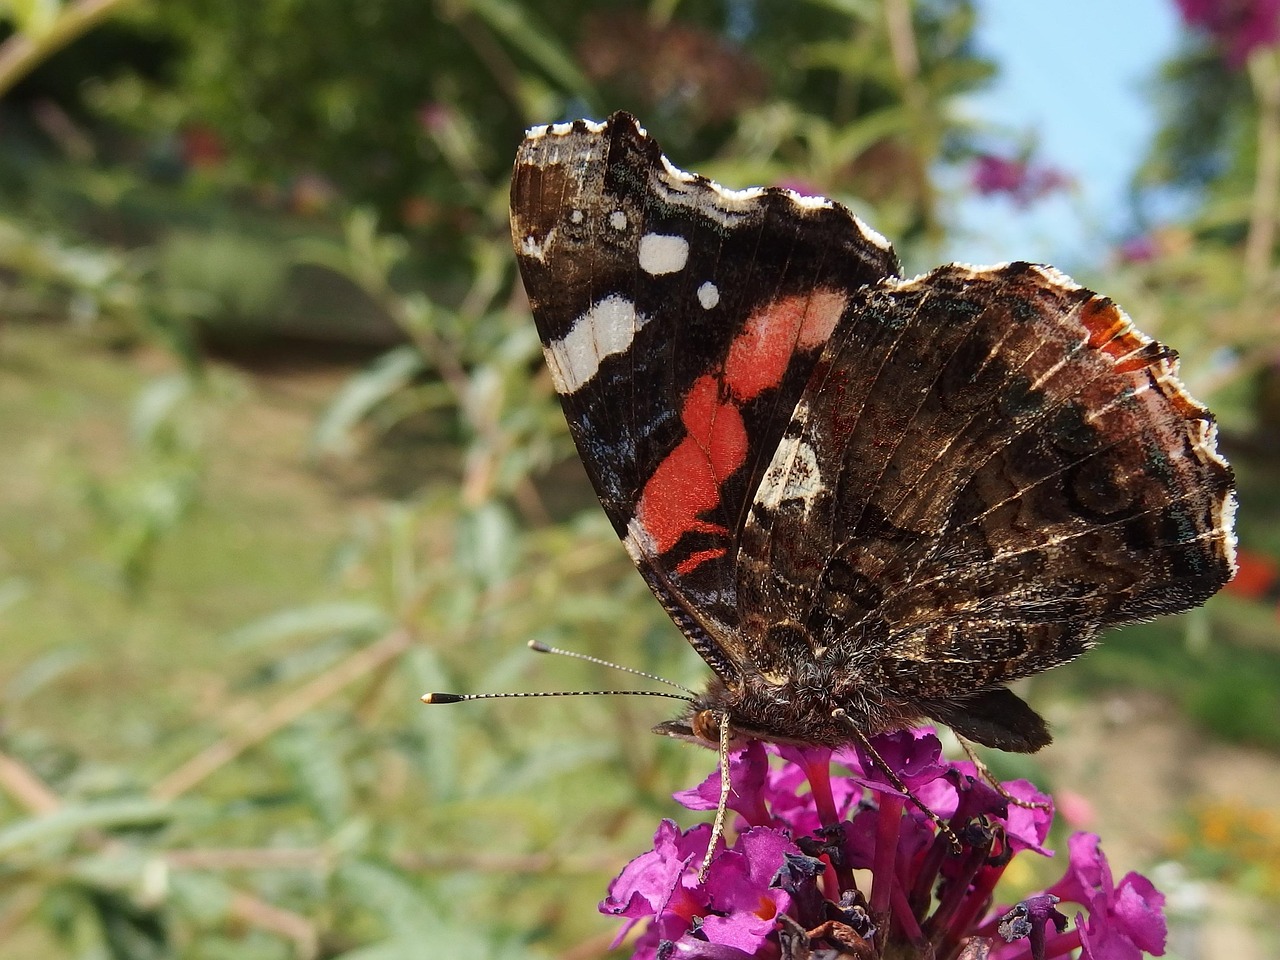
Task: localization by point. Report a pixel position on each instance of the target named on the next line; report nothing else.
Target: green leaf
(437, 726)
(409, 915)
(533, 40)
(65, 822)
(321, 618)
(393, 371)
(313, 754)
(156, 404)
(42, 672)
(132, 931)
(34, 17)
(488, 543)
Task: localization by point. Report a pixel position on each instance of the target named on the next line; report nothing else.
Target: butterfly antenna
(541, 647)
(460, 697)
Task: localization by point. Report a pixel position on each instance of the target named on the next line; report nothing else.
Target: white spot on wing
(1056, 277)
(564, 129)
(531, 246)
(792, 475)
(675, 172)
(708, 295)
(618, 220)
(1227, 524)
(663, 253)
(872, 234)
(575, 216)
(736, 196)
(607, 328)
(639, 543)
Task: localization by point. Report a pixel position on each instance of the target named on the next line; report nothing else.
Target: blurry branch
(286, 923)
(902, 44)
(282, 713)
(248, 858)
(26, 788)
(20, 907)
(906, 62)
(1264, 72)
(26, 49)
(513, 22)
(369, 260)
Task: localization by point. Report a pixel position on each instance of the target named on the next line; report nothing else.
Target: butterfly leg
(985, 773)
(717, 828)
(943, 827)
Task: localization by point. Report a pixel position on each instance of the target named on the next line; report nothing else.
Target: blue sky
(1071, 75)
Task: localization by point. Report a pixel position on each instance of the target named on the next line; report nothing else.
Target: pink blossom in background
(1241, 26)
(1019, 179)
(1074, 808)
(434, 117)
(1140, 249)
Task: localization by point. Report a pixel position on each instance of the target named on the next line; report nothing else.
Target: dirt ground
(1139, 766)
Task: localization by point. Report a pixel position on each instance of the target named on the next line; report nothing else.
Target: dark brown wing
(987, 466)
(681, 322)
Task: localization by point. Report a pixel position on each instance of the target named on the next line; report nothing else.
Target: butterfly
(865, 500)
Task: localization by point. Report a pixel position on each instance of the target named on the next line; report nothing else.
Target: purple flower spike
(792, 882)
(914, 755)
(651, 884)
(1027, 828)
(1125, 920)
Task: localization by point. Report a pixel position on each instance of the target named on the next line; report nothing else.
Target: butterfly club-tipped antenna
(540, 647)
(717, 830)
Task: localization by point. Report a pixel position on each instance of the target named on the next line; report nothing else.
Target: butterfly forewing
(680, 322)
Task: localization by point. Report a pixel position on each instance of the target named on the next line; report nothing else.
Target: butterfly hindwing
(681, 322)
(986, 467)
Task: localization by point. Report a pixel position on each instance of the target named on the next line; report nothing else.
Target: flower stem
(1060, 945)
(956, 892)
(819, 776)
(884, 869)
(1264, 72)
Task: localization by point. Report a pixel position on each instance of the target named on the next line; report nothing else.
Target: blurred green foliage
(223, 587)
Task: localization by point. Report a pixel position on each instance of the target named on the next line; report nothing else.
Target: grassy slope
(258, 537)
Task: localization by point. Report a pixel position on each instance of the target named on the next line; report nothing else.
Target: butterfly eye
(706, 726)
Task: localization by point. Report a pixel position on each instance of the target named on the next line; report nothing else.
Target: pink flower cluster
(1021, 180)
(1241, 26)
(786, 888)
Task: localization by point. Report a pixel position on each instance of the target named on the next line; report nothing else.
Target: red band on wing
(687, 483)
(758, 357)
(1112, 333)
(695, 560)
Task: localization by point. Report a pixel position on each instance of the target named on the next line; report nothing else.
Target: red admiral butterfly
(865, 500)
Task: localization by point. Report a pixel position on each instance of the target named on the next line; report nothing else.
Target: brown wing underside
(986, 467)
